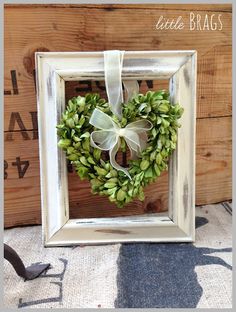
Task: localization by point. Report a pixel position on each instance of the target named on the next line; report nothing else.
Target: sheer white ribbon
(108, 137)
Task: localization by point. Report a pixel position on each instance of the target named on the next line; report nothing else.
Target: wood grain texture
(21, 195)
(98, 29)
(31, 28)
(177, 7)
(213, 179)
(214, 160)
(83, 204)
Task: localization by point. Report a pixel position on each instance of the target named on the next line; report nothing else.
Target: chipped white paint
(53, 69)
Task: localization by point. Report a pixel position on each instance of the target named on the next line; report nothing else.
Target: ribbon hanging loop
(108, 136)
(113, 62)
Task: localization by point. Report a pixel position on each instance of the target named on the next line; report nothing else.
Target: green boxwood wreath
(74, 133)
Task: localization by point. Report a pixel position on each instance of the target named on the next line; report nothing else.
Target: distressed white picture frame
(176, 225)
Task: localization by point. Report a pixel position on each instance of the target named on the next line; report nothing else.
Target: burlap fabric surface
(146, 275)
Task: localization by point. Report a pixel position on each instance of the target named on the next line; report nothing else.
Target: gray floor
(146, 275)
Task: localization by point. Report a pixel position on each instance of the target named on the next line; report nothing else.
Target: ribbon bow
(108, 138)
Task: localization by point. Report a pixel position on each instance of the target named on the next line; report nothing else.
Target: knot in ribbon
(108, 137)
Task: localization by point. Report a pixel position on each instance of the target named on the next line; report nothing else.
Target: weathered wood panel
(30, 28)
(214, 160)
(100, 29)
(178, 7)
(213, 179)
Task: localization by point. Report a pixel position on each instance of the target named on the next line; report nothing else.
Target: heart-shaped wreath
(75, 133)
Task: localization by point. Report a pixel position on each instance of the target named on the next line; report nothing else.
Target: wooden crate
(30, 28)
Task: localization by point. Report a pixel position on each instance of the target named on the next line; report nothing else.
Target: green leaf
(83, 160)
(82, 171)
(159, 120)
(153, 156)
(174, 138)
(172, 145)
(75, 118)
(111, 191)
(141, 196)
(86, 145)
(154, 132)
(113, 180)
(80, 101)
(70, 150)
(64, 143)
(163, 108)
(70, 123)
(159, 159)
(82, 120)
(121, 195)
(165, 123)
(73, 157)
(148, 173)
(96, 182)
(157, 170)
(90, 160)
(110, 184)
(100, 171)
(112, 173)
(144, 164)
(85, 135)
(130, 192)
(97, 153)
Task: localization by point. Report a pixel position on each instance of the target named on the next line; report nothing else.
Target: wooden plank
(85, 205)
(22, 183)
(22, 195)
(214, 160)
(179, 7)
(75, 88)
(215, 82)
(100, 28)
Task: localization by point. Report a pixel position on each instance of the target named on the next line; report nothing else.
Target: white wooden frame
(178, 225)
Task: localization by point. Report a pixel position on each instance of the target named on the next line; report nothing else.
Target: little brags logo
(194, 22)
